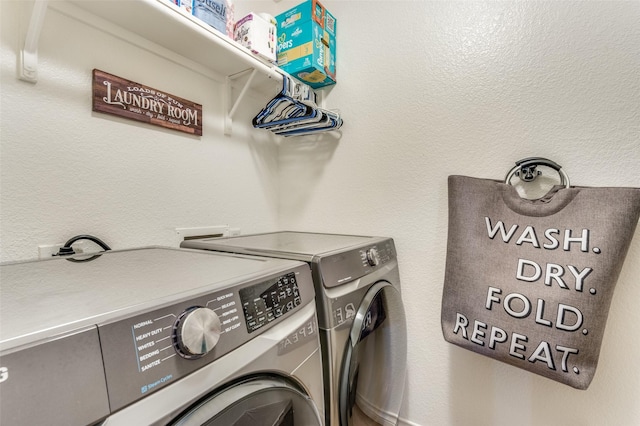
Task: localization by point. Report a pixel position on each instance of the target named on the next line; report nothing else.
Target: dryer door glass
(260, 401)
(374, 365)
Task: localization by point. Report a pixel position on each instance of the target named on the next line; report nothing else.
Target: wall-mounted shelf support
(230, 109)
(28, 57)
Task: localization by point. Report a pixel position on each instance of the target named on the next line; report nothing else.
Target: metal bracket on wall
(229, 105)
(28, 56)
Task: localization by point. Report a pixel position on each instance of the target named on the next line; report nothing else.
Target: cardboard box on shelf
(307, 43)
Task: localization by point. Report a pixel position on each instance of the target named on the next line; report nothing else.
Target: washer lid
(336, 258)
(308, 243)
(44, 298)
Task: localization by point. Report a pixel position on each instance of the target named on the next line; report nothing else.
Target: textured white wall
(67, 170)
(430, 89)
(427, 89)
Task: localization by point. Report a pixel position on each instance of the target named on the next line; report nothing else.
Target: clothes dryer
(360, 313)
(159, 336)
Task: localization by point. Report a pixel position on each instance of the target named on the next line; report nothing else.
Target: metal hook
(528, 173)
(526, 170)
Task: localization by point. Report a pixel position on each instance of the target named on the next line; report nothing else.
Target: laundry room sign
(118, 96)
(530, 282)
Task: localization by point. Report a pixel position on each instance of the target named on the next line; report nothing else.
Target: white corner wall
(427, 89)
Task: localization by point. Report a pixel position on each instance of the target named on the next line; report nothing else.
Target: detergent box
(307, 43)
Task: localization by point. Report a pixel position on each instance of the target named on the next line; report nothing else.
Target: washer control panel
(146, 352)
(264, 303)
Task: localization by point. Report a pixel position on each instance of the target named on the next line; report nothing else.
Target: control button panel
(344, 267)
(264, 303)
(376, 255)
(154, 334)
(146, 352)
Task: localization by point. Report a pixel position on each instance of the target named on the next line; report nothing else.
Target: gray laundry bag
(530, 282)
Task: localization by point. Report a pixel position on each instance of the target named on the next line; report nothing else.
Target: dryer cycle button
(196, 332)
(373, 258)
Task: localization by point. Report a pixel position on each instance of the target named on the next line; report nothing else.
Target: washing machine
(360, 314)
(159, 336)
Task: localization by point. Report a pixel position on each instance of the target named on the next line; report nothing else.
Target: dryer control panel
(148, 351)
(340, 268)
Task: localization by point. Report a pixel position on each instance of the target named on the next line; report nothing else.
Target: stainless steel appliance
(360, 314)
(158, 336)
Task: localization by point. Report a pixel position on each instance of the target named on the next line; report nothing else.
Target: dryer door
(374, 365)
(259, 401)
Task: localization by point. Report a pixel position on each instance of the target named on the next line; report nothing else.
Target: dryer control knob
(373, 258)
(196, 332)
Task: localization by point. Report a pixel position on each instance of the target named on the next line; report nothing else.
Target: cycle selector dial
(373, 258)
(196, 332)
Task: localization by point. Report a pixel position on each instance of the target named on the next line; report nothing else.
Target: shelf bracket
(230, 106)
(28, 58)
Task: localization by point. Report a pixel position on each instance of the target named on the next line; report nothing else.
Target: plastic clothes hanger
(294, 111)
(284, 94)
(333, 122)
(285, 105)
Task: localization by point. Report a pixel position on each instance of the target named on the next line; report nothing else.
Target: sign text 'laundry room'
(117, 96)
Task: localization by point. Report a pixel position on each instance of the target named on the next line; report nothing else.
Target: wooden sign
(124, 98)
